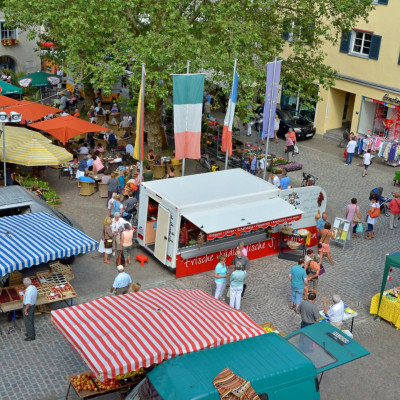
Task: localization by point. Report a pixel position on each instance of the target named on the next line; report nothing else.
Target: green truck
(278, 368)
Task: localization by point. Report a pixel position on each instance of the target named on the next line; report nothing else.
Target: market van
(279, 368)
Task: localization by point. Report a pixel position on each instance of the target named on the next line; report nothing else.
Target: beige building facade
(17, 53)
(366, 95)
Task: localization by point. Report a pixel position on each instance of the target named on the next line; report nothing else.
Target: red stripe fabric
(118, 334)
(226, 144)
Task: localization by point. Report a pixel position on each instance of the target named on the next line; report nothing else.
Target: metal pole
(269, 120)
(183, 159)
(4, 153)
(233, 82)
(141, 139)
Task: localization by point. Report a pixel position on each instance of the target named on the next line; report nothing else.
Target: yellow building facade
(366, 95)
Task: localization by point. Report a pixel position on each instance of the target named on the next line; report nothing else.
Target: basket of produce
(293, 245)
(287, 230)
(303, 232)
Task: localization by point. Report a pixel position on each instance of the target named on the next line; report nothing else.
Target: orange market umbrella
(8, 101)
(31, 111)
(64, 128)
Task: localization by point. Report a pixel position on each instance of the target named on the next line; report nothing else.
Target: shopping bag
(321, 270)
(360, 228)
(118, 260)
(244, 289)
(296, 149)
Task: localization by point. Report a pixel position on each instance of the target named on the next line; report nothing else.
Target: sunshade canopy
(118, 334)
(18, 135)
(31, 111)
(32, 239)
(7, 88)
(64, 128)
(39, 79)
(7, 101)
(233, 219)
(34, 152)
(392, 261)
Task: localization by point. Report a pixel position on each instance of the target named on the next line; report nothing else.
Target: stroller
(382, 201)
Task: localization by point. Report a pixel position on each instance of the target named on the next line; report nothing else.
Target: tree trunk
(89, 93)
(156, 139)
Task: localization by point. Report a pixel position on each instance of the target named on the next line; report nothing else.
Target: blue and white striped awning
(32, 239)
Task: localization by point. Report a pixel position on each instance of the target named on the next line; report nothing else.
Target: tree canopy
(97, 39)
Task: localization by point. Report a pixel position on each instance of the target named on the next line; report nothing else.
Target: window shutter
(398, 62)
(385, 2)
(345, 42)
(375, 47)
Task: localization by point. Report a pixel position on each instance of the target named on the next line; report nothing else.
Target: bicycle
(308, 180)
(205, 164)
(346, 138)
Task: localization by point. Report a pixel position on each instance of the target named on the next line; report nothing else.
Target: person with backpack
(373, 213)
(394, 207)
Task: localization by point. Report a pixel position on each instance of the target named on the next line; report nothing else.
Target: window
(361, 43)
(6, 33)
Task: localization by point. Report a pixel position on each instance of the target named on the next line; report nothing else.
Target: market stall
(32, 239)
(386, 303)
(187, 222)
(116, 335)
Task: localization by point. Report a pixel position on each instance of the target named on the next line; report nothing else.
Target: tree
(97, 39)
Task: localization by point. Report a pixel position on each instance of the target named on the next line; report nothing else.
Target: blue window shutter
(345, 42)
(398, 62)
(385, 2)
(287, 26)
(375, 47)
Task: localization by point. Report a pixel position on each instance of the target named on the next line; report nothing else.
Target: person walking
(220, 277)
(309, 311)
(289, 146)
(321, 223)
(353, 214)
(336, 313)
(237, 280)
(127, 243)
(298, 278)
(122, 282)
(350, 149)
(277, 122)
(106, 242)
(367, 162)
(394, 207)
(29, 303)
(112, 187)
(285, 181)
(372, 216)
(324, 246)
(313, 270)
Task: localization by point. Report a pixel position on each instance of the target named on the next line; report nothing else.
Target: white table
(346, 317)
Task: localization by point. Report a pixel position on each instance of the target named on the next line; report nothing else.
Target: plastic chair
(396, 178)
(158, 171)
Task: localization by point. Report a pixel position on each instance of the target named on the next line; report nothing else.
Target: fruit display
(130, 374)
(4, 298)
(83, 382)
(108, 384)
(13, 294)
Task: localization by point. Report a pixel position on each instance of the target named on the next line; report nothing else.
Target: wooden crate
(66, 270)
(268, 327)
(87, 188)
(15, 278)
(42, 276)
(42, 309)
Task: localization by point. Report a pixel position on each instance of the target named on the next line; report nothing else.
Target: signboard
(341, 228)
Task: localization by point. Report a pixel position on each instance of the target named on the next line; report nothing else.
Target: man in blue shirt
(298, 277)
(285, 181)
(253, 164)
(29, 302)
(122, 281)
(321, 222)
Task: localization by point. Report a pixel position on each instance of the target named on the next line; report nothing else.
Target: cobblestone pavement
(37, 370)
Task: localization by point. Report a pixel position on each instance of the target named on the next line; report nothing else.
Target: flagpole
(233, 83)
(183, 159)
(269, 120)
(141, 139)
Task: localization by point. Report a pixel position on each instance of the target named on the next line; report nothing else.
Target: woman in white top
(367, 162)
(276, 127)
(371, 220)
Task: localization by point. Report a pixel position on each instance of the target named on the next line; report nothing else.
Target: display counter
(221, 245)
(390, 307)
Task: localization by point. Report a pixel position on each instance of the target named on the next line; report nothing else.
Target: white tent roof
(212, 187)
(241, 217)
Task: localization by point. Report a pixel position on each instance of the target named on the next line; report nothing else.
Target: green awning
(7, 88)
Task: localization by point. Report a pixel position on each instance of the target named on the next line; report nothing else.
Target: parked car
(291, 119)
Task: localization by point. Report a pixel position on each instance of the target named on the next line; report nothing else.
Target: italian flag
(188, 103)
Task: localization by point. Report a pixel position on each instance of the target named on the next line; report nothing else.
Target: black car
(291, 119)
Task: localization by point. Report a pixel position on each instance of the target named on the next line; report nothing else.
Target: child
(289, 146)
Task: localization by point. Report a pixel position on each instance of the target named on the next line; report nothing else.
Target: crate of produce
(13, 294)
(269, 328)
(66, 270)
(4, 296)
(42, 277)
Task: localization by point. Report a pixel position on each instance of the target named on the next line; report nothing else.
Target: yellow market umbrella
(15, 134)
(34, 152)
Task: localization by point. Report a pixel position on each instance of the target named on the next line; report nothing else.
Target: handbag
(360, 227)
(321, 270)
(375, 213)
(356, 218)
(296, 149)
(108, 243)
(244, 289)
(118, 260)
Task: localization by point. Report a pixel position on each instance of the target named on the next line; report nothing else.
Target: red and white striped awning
(118, 334)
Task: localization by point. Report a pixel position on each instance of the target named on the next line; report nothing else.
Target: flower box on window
(9, 42)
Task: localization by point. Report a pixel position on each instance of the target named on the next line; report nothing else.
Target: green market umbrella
(39, 79)
(7, 88)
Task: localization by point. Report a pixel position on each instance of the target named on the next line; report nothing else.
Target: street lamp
(4, 118)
